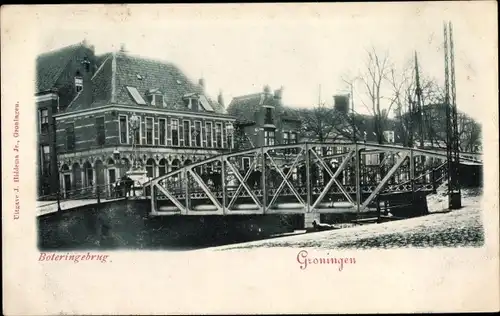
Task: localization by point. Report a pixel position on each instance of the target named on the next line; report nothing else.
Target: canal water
(126, 225)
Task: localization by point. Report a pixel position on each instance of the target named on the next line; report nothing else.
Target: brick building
(95, 142)
(273, 123)
(59, 75)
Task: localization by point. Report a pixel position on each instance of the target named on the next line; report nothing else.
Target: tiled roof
(119, 71)
(245, 107)
(50, 65)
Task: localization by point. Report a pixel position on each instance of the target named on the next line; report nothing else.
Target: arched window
(175, 164)
(77, 175)
(163, 165)
(150, 168)
(89, 174)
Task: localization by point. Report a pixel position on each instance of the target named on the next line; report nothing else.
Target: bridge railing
(101, 191)
(303, 177)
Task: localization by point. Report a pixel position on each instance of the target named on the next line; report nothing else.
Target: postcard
(250, 158)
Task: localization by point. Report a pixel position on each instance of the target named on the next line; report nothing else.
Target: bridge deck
(47, 207)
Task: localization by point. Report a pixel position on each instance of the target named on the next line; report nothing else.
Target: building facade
(59, 76)
(128, 110)
(272, 123)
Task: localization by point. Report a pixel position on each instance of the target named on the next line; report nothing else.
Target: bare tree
(378, 78)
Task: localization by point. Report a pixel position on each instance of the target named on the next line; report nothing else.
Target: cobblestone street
(459, 228)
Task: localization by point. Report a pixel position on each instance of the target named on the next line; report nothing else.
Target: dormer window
(194, 104)
(155, 97)
(157, 100)
(78, 82)
(86, 64)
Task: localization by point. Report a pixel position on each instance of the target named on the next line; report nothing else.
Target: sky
(304, 49)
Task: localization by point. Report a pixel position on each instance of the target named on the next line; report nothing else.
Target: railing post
(358, 180)
(263, 181)
(98, 195)
(153, 199)
(433, 180)
(308, 179)
(186, 191)
(223, 178)
(58, 200)
(412, 177)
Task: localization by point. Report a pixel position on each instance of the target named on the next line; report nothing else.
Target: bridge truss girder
(272, 184)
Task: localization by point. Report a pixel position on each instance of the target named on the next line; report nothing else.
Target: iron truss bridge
(299, 178)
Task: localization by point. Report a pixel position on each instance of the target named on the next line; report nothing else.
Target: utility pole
(452, 154)
(457, 203)
(419, 112)
(419, 107)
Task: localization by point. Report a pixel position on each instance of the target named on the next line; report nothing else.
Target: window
(218, 135)
(70, 136)
(208, 128)
(268, 138)
(45, 160)
(194, 104)
(175, 132)
(230, 135)
(149, 130)
(205, 104)
(150, 168)
(157, 100)
(137, 133)
(293, 138)
(86, 64)
(197, 134)
(269, 116)
(187, 133)
(371, 160)
(163, 131)
(246, 163)
(44, 121)
(136, 95)
(285, 138)
(78, 83)
(100, 131)
(123, 129)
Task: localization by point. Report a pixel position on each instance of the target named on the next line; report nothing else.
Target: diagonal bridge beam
(242, 182)
(334, 178)
(285, 179)
(384, 181)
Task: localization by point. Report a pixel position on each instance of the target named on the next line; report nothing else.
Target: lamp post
(230, 132)
(134, 123)
(137, 172)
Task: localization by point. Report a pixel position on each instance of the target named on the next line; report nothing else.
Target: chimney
(278, 93)
(122, 48)
(201, 82)
(341, 103)
(267, 89)
(220, 98)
